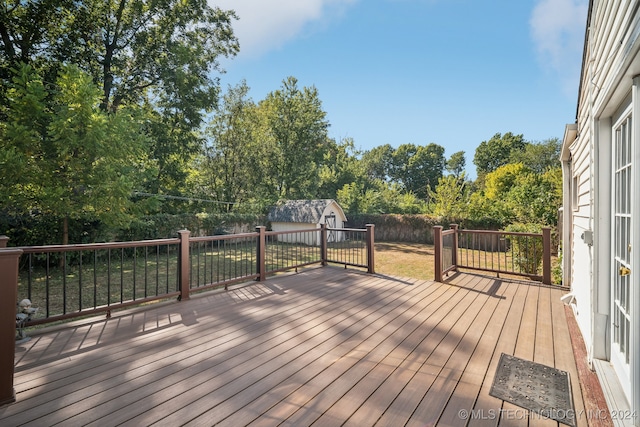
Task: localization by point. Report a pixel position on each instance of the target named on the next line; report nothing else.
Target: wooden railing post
(3, 241)
(454, 249)
(9, 261)
(261, 265)
(371, 264)
(323, 244)
(437, 249)
(184, 264)
(546, 255)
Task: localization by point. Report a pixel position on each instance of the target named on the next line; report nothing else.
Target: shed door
(622, 234)
(330, 221)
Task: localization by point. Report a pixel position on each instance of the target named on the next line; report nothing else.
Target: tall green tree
(456, 163)
(417, 168)
(340, 166)
(128, 46)
(539, 156)
(76, 160)
(378, 162)
(497, 151)
(230, 168)
(515, 193)
(294, 128)
(160, 54)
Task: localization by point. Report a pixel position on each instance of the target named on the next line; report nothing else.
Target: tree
(378, 162)
(294, 130)
(499, 183)
(450, 198)
(76, 160)
(497, 152)
(456, 163)
(354, 198)
(539, 157)
(28, 31)
(418, 168)
(159, 54)
(515, 193)
(227, 167)
(340, 166)
(128, 46)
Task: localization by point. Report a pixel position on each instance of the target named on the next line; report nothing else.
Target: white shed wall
(311, 238)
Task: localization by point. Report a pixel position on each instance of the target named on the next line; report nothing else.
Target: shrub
(527, 251)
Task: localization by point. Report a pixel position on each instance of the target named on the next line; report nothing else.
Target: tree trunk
(65, 231)
(65, 239)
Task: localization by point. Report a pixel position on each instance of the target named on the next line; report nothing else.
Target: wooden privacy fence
(521, 254)
(67, 281)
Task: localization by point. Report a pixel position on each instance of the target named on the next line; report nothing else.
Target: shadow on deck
(324, 346)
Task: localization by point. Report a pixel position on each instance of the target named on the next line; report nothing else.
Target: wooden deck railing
(520, 254)
(67, 281)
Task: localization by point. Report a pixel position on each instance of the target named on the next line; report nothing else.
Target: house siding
(611, 61)
(600, 75)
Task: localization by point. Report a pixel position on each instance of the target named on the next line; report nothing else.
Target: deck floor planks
(327, 338)
(124, 343)
(431, 369)
(468, 388)
(230, 380)
(312, 388)
(513, 415)
(487, 407)
(438, 396)
(293, 403)
(543, 352)
(328, 365)
(437, 336)
(344, 398)
(384, 394)
(260, 398)
(100, 385)
(564, 360)
(266, 353)
(227, 366)
(115, 324)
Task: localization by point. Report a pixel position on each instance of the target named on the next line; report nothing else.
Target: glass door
(622, 232)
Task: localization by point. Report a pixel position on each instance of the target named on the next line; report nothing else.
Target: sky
(450, 72)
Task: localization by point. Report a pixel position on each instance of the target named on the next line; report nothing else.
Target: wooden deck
(326, 346)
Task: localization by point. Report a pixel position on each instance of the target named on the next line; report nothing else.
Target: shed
(292, 215)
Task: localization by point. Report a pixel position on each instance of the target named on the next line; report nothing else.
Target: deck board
(325, 346)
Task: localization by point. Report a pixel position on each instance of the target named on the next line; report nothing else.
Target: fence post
(437, 249)
(371, 263)
(261, 264)
(454, 249)
(184, 264)
(3, 241)
(546, 255)
(9, 261)
(323, 244)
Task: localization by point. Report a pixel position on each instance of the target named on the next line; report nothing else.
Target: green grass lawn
(414, 260)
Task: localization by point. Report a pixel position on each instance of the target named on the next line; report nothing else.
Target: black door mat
(539, 388)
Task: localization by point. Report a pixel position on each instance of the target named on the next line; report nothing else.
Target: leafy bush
(527, 251)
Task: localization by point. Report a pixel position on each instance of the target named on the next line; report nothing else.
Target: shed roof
(306, 211)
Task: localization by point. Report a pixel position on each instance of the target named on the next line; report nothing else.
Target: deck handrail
(67, 281)
(495, 251)
(181, 265)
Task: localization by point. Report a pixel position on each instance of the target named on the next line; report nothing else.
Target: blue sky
(451, 72)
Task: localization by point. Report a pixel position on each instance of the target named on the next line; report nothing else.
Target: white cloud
(265, 25)
(557, 29)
